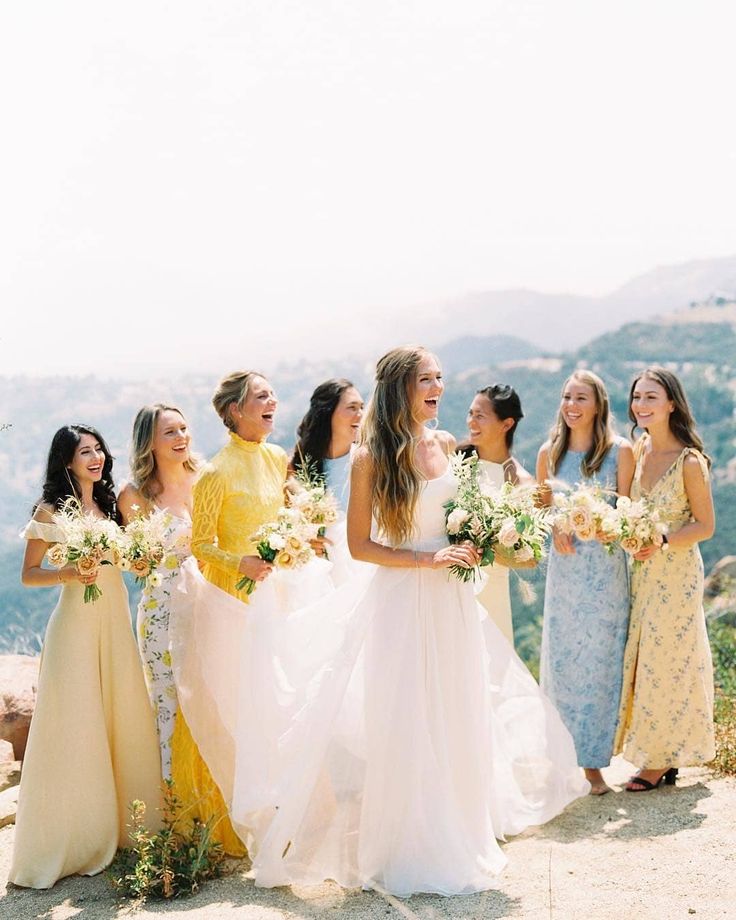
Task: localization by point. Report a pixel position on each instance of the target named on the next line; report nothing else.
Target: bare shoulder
(44, 513)
(523, 476)
(446, 441)
(694, 467)
(362, 461)
(544, 450)
(130, 497)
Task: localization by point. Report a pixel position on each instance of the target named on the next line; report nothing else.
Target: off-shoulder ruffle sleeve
(38, 530)
(209, 493)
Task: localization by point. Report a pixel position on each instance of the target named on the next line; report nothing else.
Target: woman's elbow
(358, 548)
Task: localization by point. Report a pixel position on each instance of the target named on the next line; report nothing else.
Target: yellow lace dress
(238, 491)
(666, 713)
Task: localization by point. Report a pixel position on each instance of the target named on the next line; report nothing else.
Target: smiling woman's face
(88, 460)
(254, 420)
(427, 389)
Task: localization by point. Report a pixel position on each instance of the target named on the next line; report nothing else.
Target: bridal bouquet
(309, 493)
(523, 527)
(142, 546)
(284, 542)
(639, 524)
(584, 513)
(506, 518)
(89, 542)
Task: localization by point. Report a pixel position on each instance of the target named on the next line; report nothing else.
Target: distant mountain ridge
(564, 322)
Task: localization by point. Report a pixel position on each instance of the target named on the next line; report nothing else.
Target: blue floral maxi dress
(153, 635)
(586, 616)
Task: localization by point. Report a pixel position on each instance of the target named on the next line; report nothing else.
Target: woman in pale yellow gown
(666, 714)
(92, 747)
(240, 489)
(492, 419)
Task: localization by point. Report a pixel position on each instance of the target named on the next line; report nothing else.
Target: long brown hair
(388, 435)
(682, 421)
(604, 434)
(142, 460)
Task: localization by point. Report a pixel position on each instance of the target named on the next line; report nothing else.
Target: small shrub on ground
(169, 862)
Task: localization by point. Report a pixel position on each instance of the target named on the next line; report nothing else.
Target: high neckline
(248, 447)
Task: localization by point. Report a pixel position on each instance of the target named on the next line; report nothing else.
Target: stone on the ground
(18, 685)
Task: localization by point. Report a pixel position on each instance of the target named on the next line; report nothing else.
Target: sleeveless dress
(666, 717)
(396, 737)
(92, 748)
(152, 629)
(586, 615)
(240, 489)
(495, 595)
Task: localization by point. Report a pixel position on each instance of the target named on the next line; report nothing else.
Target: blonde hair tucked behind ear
(232, 390)
(603, 432)
(142, 460)
(388, 435)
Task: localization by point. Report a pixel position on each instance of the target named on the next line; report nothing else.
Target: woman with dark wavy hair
(492, 420)
(666, 715)
(92, 747)
(326, 435)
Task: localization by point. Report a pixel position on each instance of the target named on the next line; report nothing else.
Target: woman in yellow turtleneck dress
(239, 490)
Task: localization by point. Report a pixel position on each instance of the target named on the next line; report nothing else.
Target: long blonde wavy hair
(604, 433)
(142, 461)
(389, 436)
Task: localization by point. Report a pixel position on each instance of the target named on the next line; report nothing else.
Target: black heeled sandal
(669, 778)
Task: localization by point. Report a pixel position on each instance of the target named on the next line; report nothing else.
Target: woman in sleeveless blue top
(586, 603)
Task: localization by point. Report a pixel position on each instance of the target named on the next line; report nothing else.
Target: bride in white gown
(387, 735)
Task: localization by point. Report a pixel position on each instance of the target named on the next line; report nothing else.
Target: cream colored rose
(286, 560)
(456, 519)
(524, 554)
(631, 545)
(57, 555)
(87, 565)
(508, 534)
(582, 522)
(140, 568)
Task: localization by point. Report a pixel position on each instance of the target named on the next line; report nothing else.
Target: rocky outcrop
(18, 685)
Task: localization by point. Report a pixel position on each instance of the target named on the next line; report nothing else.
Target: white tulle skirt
(384, 736)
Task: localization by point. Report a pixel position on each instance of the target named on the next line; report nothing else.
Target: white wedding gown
(384, 736)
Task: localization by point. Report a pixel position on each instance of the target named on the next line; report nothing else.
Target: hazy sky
(190, 184)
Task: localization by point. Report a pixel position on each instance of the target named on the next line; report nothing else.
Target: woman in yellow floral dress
(666, 715)
(240, 489)
(163, 472)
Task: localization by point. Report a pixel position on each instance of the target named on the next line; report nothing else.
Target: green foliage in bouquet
(167, 863)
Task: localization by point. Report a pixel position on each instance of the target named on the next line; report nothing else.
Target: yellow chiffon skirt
(197, 790)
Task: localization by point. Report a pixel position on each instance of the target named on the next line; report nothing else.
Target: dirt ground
(653, 856)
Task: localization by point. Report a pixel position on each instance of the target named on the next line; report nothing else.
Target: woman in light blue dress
(586, 602)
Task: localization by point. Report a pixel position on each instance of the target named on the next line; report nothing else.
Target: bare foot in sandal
(598, 786)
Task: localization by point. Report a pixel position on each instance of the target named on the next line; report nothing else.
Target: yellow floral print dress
(666, 714)
(238, 491)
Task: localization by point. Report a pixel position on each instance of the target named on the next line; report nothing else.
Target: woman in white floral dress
(163, 472)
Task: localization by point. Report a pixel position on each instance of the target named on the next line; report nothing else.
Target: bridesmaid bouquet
(89, 542)
(283, 542)
(309, 493)
(142, 546)
(585, 514)
(638, 525)
(506, 518)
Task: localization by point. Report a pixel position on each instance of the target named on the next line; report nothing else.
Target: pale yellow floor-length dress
(92, 747)
(495, 594)
(238, 491)
(666, 713)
